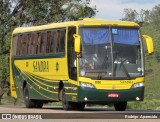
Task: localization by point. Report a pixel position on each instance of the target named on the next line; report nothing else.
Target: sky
(113, 9)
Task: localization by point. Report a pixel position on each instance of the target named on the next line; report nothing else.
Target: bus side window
(62, 40)
(57, 40)
(43, 43)
(53, 42)
(37, 40)
(48, 42)
(27, 45)
(18, 52)
(24, 44)
(31, 44)
(14, 45)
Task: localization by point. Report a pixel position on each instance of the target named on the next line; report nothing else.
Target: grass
(153, 104)
(152, 87)
(8, 100)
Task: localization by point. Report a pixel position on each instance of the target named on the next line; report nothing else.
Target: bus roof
(82, 22)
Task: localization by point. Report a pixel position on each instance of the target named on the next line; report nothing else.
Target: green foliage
(155, 17)
(43, 11)
(130, 15)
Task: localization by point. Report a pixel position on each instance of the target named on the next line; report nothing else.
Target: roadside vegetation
(151, 27)
(22, 13)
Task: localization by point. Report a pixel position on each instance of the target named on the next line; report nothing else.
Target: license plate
(113, 95)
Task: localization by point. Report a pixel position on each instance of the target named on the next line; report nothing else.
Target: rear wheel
(120, 106)
(28, 102)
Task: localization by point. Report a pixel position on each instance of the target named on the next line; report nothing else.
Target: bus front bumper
(92, 95)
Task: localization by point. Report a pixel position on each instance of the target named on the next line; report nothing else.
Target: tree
(133, 15)
(145, 16)
(15, 13)
(43, 11)
(130, 15)
(155, 17)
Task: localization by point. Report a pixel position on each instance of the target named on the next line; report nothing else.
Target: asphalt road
(48, 112)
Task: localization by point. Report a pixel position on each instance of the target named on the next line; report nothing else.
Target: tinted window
(42, 42)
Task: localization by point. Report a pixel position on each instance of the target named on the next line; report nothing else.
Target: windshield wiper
(121, 65)
(124, 68)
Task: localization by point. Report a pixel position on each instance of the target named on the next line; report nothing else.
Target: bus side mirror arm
(77, 43)
(149, 43)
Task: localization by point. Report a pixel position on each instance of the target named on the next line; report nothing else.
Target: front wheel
(120, 106)
(66, 104)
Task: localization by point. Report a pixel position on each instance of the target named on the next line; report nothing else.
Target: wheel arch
(24, 84)
(60, 86)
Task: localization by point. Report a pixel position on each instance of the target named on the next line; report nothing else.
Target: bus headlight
(85, 84)
(136, 85)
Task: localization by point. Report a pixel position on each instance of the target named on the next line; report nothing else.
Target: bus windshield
(110, 53)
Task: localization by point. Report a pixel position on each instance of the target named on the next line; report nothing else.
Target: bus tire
(28, 102)
(66, 104)
(120, 106)
(60, 95)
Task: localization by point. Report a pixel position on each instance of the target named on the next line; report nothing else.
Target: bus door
(72, 67)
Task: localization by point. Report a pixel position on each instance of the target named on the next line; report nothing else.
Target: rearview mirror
(149, 43)
(77, 43)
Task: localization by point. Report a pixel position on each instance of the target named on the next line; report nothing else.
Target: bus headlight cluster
(85, 84)
(136, 85)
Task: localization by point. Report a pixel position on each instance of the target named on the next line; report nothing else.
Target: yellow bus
(90, 61)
